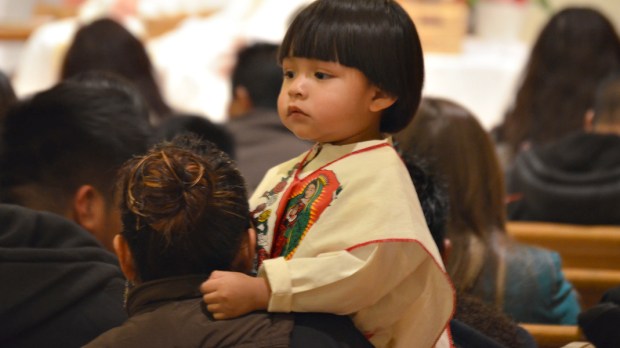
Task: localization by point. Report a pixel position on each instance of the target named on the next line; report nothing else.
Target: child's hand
(231, 294)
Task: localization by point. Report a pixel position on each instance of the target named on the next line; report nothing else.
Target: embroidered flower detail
(272, 199)
(279, 187)
(264, 216)
(259, 209)
(262, 255)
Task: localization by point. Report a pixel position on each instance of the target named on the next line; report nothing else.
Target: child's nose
(297, 87)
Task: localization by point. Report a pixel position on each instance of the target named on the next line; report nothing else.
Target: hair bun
(167, 190)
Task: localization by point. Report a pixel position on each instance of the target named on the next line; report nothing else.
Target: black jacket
(60, 288)
(601, 323)
(170, 313)
(575, 180)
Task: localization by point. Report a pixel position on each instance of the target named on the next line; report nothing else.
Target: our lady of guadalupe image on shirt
(308, 199)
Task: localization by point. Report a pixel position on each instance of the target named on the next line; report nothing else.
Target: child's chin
(305, 137)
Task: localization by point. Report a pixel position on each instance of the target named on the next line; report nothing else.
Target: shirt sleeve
(341, 282)
(383, 285)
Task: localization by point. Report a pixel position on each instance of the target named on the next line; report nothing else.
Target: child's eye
(288, 74)
(321, 75)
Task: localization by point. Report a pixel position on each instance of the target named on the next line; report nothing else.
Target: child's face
(327, 102)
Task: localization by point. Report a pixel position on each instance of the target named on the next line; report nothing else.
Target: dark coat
(60, 288)
(601, 323)
(170, 313)
(575, 180)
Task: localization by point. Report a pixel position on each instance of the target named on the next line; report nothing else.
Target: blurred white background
(193, 56)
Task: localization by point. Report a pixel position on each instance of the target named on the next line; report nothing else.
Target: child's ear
(381, 101)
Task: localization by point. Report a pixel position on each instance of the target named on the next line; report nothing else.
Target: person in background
(262, 141)
(7, 94)
(59, 152)
(600, 323)
(475, 323)
(185, 214)
(105, 45)
(560, 79)
(61, 149)
(340, 227)
(576, 179)
(200, 126)
(524, 282)
(40, 60)
(60, 287)
(196, 58)
(106, 80)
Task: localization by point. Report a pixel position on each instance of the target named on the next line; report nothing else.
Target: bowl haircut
(376, 37)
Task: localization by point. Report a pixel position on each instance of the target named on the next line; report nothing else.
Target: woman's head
(459, 151)
(105, 45)
(377, 37)
(576, 49)
(184, 209)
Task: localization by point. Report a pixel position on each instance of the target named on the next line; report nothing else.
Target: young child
(340, 227)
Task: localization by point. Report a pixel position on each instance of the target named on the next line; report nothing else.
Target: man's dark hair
(257, 70)
(73, 134)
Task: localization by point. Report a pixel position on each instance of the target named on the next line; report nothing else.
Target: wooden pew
(591, 284)
(554, 336)
(590, 254)
(580, 246)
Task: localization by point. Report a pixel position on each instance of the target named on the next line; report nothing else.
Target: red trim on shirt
(445, 274)
(303, 162)
(389, 240)
(357, 152)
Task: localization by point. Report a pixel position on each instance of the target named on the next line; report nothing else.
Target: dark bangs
(376, 37)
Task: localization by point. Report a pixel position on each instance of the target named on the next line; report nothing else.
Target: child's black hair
(376, 37)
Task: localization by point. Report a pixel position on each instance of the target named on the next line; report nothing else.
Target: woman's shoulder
(519, 255)
(535, 276)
